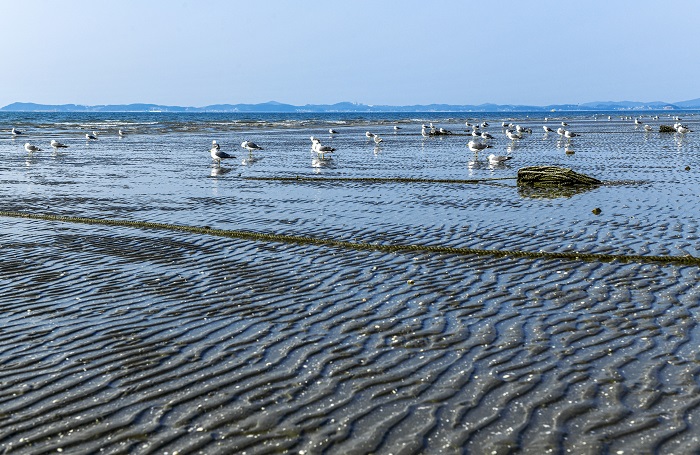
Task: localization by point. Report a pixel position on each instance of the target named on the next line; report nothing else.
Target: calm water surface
(139, 341)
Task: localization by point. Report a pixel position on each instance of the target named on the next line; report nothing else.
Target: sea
(123, 339)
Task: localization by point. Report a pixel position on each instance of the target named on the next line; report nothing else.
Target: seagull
(320, 149)
(91, 137)
(547, 129)
(683, 129)
(444, 131)
(561, 131)
(513, 135)
(250, 146)
(484, 124)
(31, 148)
(57, 145)
(332, 131)
(637, 121)
(369, 135)
(121, 133)
(475, 132)
(564, 124)
(396, 128)
(377, 139)
(217, 154)
(477, 146)
(424, 132)
(647, 128)
(498, 159)
(569, 134)
(486, 135)
(16, 132)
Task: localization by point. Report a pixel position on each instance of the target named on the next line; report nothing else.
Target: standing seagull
(16, 132)
(57, 145)
(513, 135)
(547, 129)
(377, 139)
(31, 148)
(250, 146)
(477, 146)
(121, 133)
(91, 137)
(332, 131)
(217, 154)
(498, 159)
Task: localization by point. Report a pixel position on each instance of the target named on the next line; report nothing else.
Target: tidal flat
(133, 340)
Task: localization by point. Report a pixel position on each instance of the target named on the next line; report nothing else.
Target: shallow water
(152, 342)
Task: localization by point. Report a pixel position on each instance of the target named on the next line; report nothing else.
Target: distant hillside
(690, 104)
(273, 106)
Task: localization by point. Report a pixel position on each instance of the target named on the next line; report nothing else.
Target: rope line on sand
(305, 240)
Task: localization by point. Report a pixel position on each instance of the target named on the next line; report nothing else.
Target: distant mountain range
(276, 107)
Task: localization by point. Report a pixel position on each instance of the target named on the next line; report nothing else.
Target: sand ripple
(122, 340)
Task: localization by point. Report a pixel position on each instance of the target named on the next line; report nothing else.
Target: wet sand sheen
(118, 339)
(144, 341)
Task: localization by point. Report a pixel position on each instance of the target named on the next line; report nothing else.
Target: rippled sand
(144, 341)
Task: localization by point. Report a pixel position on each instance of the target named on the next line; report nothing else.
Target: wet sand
(141, 341)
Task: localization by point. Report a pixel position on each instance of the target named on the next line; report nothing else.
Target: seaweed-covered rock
(666, 129)
(553, 176)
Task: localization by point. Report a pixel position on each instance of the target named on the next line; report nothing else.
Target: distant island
(275, 107)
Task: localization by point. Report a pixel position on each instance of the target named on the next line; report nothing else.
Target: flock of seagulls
(479, 143)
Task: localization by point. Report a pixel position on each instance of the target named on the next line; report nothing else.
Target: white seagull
(568, 134)
(31, 148)
(332, 131)
(547, 129)
(250, 146)
(16, 132)
(477, 146)
(683, 129)
(561, 131)
(377, 139)
(647, 127)
(498, 159)
(369, 135)
(396, 128)
(121, 133)
(513, 135)
(57, 145)
(91, 137)
(486, 135)
(217, 154)
(320, 149)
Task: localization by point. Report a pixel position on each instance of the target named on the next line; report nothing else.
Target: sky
(377, 52)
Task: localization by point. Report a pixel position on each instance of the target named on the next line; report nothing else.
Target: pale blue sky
(200, 52)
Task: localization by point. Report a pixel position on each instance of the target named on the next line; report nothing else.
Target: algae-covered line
(305, 240)
(376, 179)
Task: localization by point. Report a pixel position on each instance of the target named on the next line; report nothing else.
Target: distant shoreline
(345, 107)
